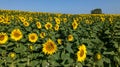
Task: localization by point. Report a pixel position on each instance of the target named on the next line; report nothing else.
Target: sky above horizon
(62, 6)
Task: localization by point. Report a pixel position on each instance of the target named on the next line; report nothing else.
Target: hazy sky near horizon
(62, 6)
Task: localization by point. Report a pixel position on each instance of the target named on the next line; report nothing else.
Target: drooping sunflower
(75, 25)
(39, 26)
(49, 47)
(81, 54)
(42, 34)
(70, 37)
(3, 38)
(16, 34)
(56, 27)
(33, 37)
(48, 25)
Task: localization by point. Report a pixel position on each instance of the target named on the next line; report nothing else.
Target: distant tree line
(96, 11)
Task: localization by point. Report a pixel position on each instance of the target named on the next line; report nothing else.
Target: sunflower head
(70, 38)
(38, 24)
(33, 37)
(56, 27)
(42, 34)
(1, 19)
(59, 41)
(64, 20)
(57, 21)
(49, 47)
(3, 38)
(81, 54)
(16, 34)
(75, 25)
(26, 23)
(48, 25)
(98, 56)
(31, 48)
(12, 55)
(22, 19)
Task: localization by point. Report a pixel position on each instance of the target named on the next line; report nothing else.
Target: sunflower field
(39, 39)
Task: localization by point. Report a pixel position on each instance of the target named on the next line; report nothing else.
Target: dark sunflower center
(81, 52)
(74, 24)
(26, 24)
(32, 37)
(48, 26)
(2, 37)
(16, 34)
(38, 24)
(42, 34)
(50, 46)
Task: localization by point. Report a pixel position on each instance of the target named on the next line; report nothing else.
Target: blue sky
(62, 6)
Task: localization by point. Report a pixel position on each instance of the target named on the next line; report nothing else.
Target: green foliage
(99, 36)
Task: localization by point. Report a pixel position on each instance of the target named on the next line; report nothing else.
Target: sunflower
(3, 38)
(38, 25)
(22, 19)
(56, 27)
(74, 24)
(98, 56)
(70, 38)
(42, 34)
(48, 25)
(59, 41)
(31, 47)
(57, 21)
(81, 54)
(49, 47)
(1, 19)
(16, 34)
(33, 37)
(26, 23)
(12, 55)
(64, 20)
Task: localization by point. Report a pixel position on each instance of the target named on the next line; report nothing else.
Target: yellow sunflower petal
(33, 37)
(16, 34)
(3, 38)
(81, 54)
(49, 47)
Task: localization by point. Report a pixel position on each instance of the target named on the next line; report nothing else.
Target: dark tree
(96, 11)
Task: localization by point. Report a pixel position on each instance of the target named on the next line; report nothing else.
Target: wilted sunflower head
(81, 54)
(48, 25)
(49, 47)
(3, 38)
(39, 26)
(16, 34)
(33, 37)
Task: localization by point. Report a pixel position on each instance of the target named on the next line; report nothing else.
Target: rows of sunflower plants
(36, 39)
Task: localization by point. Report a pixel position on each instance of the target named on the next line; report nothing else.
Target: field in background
(49, 39)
